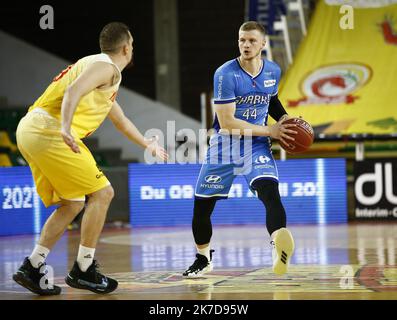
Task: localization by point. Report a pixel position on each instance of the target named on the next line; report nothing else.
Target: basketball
(303, 139)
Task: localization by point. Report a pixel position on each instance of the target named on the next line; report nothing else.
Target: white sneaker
(283, 248)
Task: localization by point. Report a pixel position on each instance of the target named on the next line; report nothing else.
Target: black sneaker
(29, 277)
(91, 280)
(200, 266)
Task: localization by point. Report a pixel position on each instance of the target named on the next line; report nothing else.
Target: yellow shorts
(58, 172)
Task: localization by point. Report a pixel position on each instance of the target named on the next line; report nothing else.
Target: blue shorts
(216, 178)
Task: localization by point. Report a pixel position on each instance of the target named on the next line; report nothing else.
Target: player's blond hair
(253, 25)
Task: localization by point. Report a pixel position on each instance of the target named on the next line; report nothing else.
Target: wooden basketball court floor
(340, 261)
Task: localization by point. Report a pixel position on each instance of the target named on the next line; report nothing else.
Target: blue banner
(312, 191)
(266, 12)
(21, 210)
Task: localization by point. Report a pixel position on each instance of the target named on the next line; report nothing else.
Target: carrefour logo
(213, 179)
(332, 84)
(262, 159)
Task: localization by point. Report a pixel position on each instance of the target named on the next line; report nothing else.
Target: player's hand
(156, 149)
(69, 140)
(282, 131)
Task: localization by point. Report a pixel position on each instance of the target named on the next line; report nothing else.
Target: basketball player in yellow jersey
(64, 171)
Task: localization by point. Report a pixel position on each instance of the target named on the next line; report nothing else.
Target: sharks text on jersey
(253, 99)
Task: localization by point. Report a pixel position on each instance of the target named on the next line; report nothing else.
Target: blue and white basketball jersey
(250, 93)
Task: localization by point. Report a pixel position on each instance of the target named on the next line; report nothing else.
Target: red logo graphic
(332, 84)
(389, 34)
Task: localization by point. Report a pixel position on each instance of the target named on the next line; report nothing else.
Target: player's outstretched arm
(227, 121)
(97, 75)
(127, 128)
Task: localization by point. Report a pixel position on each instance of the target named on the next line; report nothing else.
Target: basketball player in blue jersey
(245, 93)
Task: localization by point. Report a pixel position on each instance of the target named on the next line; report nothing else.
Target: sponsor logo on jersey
(262, 159)
(100, 174)
(213, 179)
(269, 83)
(263, 162)
(212, 186)
(220, 84)
(212, 182)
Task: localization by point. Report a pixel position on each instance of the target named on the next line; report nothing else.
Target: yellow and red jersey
(92, 108)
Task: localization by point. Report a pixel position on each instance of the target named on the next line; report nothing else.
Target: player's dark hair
(113, 36)
(253, 25)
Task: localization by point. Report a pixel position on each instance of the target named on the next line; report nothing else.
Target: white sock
(85, 257)
(38, 255)
(273, 235)
(205, 252)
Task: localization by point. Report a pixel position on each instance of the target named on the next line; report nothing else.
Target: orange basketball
(303, 139)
